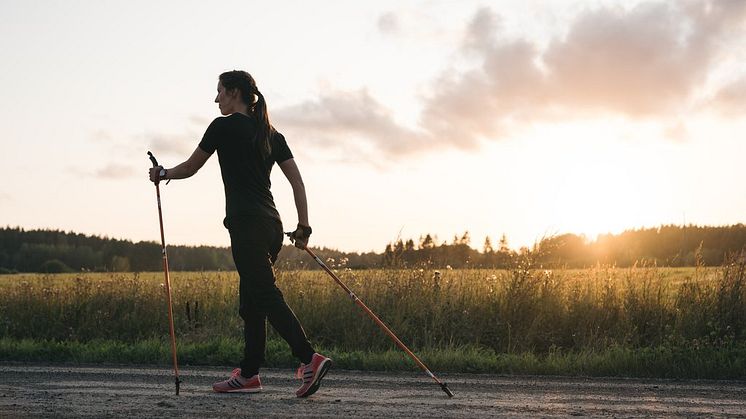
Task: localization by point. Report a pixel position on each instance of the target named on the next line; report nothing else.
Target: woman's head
(237, 92)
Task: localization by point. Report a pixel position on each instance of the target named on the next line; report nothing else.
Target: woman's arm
(185, 169)
(303, 232)
(290, 169)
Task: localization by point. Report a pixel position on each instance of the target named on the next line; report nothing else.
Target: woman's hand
(157, 173)
(301, 236)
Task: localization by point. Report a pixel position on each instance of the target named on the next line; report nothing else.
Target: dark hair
(245, 84)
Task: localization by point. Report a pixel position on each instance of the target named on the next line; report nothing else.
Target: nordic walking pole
(168, 282)
(378, 321)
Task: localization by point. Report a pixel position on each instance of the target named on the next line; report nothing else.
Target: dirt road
(75, 391)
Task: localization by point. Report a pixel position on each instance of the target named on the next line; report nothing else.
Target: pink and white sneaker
(312, 374)
(238, 384)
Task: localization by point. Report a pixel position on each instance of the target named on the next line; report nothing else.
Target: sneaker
(238, 384)
(312, 374)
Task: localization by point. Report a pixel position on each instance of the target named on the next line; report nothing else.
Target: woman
(248, 146)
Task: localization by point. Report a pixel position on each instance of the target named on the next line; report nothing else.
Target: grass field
(604, 321)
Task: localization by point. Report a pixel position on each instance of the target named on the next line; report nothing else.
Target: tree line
(669, 245)
(56, 251)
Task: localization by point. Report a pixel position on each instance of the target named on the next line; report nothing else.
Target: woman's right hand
(156, 175)
(301, 236)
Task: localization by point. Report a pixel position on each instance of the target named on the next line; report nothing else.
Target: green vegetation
(640, 321)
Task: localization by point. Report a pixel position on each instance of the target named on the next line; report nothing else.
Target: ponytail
(264, 131)
(246, 85)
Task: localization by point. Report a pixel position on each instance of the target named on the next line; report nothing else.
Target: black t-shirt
(245, 173)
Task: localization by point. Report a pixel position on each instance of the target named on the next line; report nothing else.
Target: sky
(522, 118)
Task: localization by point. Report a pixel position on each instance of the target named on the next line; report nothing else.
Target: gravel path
(96, 391)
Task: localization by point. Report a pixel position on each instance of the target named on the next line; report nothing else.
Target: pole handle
(153, 160)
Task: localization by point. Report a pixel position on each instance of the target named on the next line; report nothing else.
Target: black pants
(255, 243)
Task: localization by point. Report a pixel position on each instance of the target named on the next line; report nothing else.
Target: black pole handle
(152, 159)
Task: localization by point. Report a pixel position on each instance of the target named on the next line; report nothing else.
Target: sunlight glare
(598, 186)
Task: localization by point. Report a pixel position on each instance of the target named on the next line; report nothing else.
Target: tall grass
(516, 311)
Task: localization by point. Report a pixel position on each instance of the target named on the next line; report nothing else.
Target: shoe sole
(239, 390)
(317, 382)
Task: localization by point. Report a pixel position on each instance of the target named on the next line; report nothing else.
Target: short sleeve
(280, 149)
(211, 139)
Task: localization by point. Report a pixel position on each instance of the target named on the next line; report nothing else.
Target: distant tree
(398, 252)
(503, 244)
(409, 256)
(465, 239)
(388, 256)
(487, 248)
(427, 242)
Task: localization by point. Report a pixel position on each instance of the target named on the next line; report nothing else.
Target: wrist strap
(165, 174)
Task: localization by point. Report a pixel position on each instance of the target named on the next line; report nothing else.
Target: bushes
(54, 266)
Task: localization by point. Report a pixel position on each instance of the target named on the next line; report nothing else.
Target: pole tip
(445, 388)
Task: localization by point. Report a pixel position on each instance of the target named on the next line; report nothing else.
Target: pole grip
(152, 159)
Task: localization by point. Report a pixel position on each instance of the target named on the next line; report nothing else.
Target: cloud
(112, 171)
(171, 144)
(349, 117)
(115, 171)
(731, 98)
(101, 135)
(644, 62)
(484, 103)
(178, 145)
(647, 62)
(481, 29)
(388, 23)
(413, 24)
(200, 121)
(641, 63)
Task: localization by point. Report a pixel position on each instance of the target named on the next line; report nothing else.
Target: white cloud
(641, 63)
(199, 121)
(101, 135)
(171, 144)
(731, 98)
(116, 171)
(349, 117)
(388, 23)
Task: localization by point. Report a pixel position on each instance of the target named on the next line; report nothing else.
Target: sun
(600, 191)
